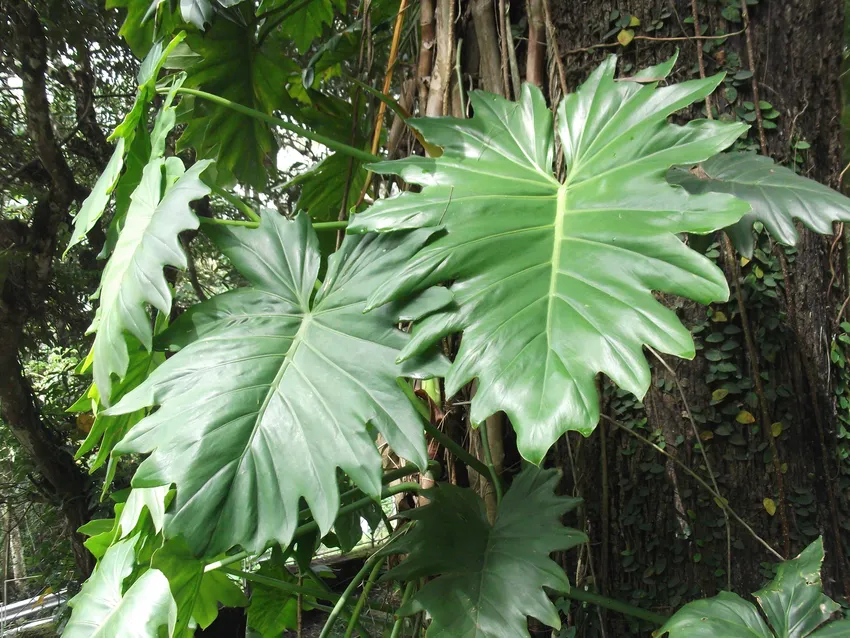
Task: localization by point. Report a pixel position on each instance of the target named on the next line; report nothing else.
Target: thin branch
(698, 441)
(685, 38)
(718, 500)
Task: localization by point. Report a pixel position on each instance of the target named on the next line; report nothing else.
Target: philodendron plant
(272, 388)
(793, 605)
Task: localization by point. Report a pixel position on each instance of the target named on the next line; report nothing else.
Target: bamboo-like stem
(331, 143)
(718, 500)
(364, 595)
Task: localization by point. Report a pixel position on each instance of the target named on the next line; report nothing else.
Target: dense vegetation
(253, 308)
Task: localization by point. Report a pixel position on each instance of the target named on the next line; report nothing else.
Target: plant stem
(359, 504)
(330, 225)
(488, 456)
(364, 595)
(289, 588)
(718, 500)
(614, 605)
(318, 226)
(349, 591)
(448, 443)
(237, 203)
(227, 560)
(399, 623)
(312, 526)
(216, 221)
(331, 143)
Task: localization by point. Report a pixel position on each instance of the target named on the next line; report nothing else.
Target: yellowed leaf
(625, 36)
(44, 594)
(744, 261)
(719, 316)
(776, 429)
(706, 435)
(720, 394)
(783, 468)
(634, 21)
(769, 506)
(759, 272)
(745, 417)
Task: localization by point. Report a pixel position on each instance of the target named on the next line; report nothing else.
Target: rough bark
(646, 527)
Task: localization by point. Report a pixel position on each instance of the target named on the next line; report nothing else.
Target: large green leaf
(306, 22)
(726, 615)
(490, 578)
(793, 602)
(272, 610)
(554, 282)
(273, 388)
(196, 592)
(234, 66)
(103, 609)
(777, 194)
(134, 276)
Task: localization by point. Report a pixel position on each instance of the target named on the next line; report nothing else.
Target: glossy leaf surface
(103, 609)
(554, 282)
(134, 276)
(489, 578)
(777, 194)
(273, 388)
(793, 603)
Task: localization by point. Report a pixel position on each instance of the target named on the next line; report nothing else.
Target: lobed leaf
(273, 389)
(553, 282)
(778, 197)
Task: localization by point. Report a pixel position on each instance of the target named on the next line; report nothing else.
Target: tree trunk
(665, 537)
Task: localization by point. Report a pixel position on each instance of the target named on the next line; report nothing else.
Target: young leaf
(96, 202)
(272, 389)
(103, 609)
(196, 12)
(778, 196)
(553, 282)
(489, 577)
(133, 276)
